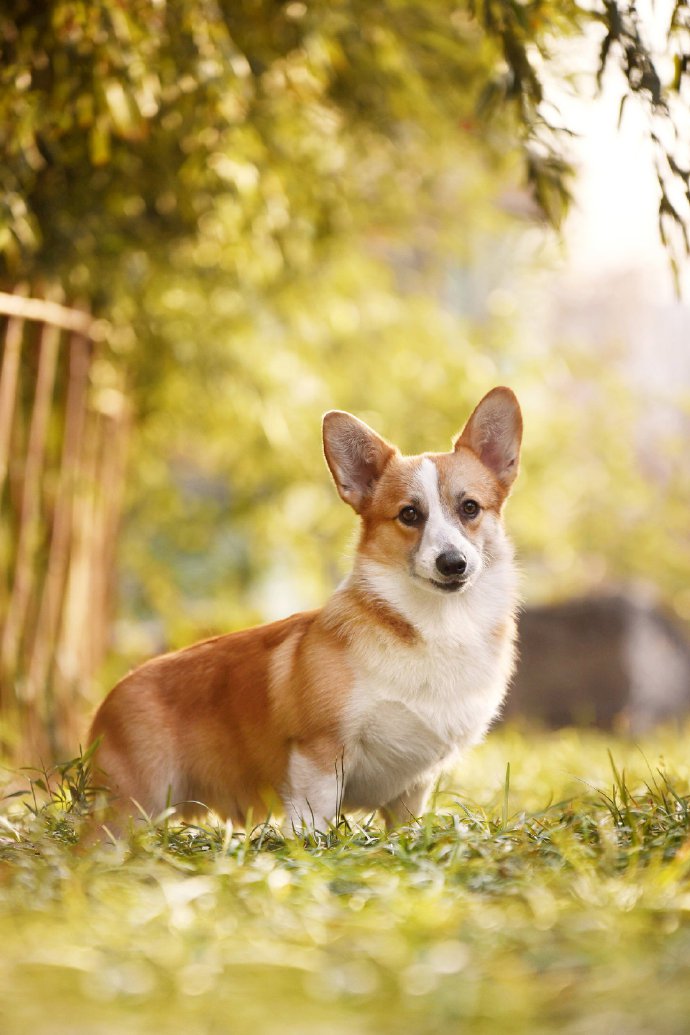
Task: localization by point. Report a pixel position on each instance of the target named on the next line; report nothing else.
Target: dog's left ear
(356, 456)
(494, 433)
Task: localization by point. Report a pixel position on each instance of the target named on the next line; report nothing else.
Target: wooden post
(31, 500)
(45, 648)
(8, 387)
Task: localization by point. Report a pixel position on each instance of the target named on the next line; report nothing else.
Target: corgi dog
(358, 705)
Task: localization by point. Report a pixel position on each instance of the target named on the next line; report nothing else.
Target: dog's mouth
(443, 584)
(452, 586)
(448, 585)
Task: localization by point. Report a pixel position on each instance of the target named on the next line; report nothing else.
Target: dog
(358, 705)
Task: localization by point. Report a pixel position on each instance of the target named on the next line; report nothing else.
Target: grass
(549, 891)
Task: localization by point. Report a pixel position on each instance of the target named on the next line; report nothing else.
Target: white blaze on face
(441, 534)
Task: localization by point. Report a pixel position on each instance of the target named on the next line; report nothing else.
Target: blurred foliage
(299, 116)
(552, 900)
(279, 208)
(273, 125)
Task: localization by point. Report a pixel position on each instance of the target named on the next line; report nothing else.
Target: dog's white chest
(412, 708)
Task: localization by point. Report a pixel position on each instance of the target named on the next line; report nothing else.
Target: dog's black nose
(451, 563)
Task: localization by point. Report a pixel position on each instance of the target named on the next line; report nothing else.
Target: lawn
(549, 891)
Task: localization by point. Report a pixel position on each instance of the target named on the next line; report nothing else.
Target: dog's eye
(470, 508)
(409, 515)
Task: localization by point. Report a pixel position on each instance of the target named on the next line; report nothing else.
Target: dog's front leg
(314, 790)
(408, 806)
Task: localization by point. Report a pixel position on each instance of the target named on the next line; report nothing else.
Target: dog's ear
(494, 433)
(356, 456)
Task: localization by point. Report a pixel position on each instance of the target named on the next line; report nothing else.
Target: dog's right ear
(494, 433)
(356, 456)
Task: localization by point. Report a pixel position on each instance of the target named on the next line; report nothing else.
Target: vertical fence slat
(9, 374)
(111, 464)
(9, 380)
(44, 651)
(79, 612)
(20, 594)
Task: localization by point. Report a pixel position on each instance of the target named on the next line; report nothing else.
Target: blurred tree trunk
(62, 452)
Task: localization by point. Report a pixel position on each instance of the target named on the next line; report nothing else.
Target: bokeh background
(219, 220)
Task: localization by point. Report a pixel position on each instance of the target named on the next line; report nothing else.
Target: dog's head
(436, 516)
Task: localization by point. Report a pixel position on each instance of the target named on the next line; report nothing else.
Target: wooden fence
(63, 434)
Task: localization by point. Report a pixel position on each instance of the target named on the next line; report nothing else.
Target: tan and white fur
(360, 704)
